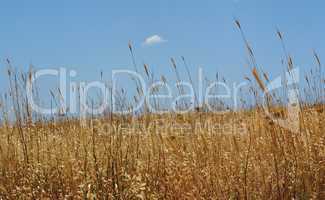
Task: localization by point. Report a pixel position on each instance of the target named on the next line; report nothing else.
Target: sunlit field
(243, 153)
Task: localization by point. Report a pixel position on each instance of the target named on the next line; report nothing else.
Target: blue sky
(92, 35)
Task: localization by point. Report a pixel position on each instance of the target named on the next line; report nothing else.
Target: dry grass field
(67, 161)
(198, 155)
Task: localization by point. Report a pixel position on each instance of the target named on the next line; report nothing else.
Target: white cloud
(155, 39)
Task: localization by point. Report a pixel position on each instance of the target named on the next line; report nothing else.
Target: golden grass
(125, 160)
(198, 155)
